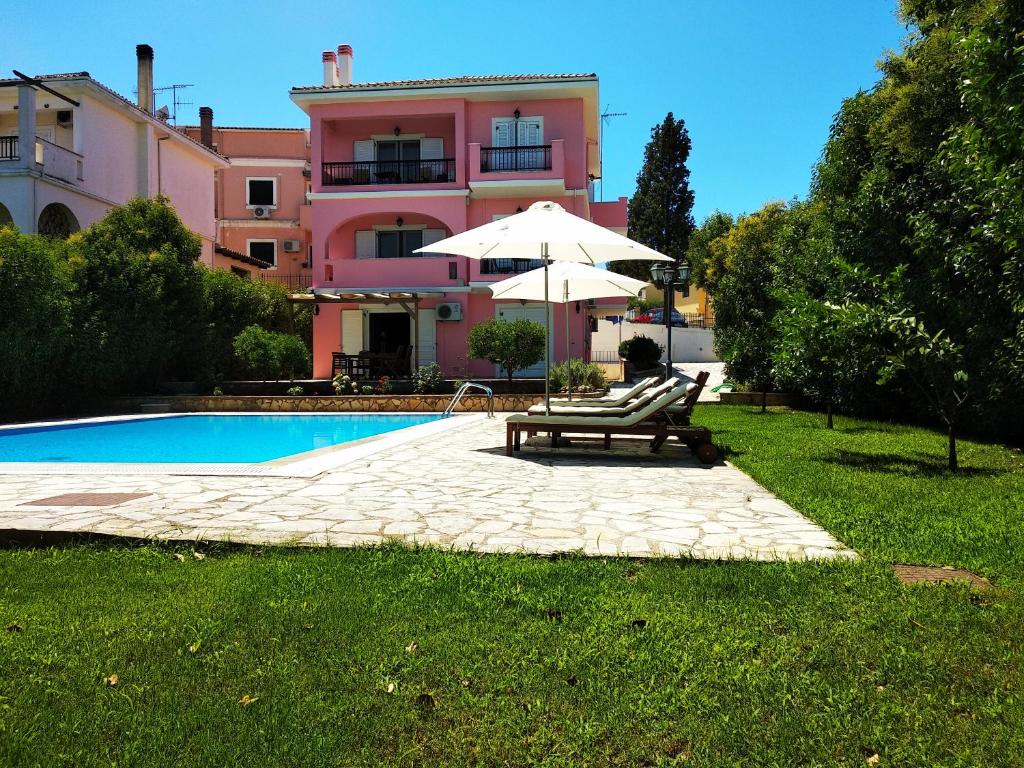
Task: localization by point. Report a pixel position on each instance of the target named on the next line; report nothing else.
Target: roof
(242, 257)
(241, 128)
(66, 76)
(445, 82)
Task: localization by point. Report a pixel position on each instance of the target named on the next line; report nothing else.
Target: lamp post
(668, 276)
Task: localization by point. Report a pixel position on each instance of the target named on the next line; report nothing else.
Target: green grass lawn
(399, 657)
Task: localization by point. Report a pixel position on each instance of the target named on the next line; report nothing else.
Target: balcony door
(522, 139)
(398, 161)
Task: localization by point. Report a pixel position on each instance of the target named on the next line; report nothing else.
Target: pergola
(407, 298)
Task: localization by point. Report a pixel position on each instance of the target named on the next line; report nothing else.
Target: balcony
(296, 283)
(57, 162)
(8, 147)
(515, 159)
(508, 266)
(403, 272)
(389, 172)
(525, 171)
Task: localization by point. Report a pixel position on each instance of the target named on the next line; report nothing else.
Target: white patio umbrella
(576, 282)
(546, 231)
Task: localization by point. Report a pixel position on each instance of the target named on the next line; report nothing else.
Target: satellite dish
(163, 113)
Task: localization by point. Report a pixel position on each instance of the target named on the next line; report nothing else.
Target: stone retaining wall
(376, 403)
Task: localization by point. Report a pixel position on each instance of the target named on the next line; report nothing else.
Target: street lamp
(669, 276)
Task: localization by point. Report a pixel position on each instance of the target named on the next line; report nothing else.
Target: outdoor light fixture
(398, 131)
(669, 276)
(399, 221)
(519, 209)
(516, 113)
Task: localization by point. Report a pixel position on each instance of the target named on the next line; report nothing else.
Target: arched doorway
(57, 220)
(5, 216)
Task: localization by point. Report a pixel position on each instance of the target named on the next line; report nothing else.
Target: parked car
(657, 317)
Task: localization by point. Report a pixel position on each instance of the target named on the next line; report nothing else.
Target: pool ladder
(465, 388)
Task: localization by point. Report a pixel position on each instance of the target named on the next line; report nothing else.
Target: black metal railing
(511, 159)
(508, 266)
(8, 147)
(389, 172)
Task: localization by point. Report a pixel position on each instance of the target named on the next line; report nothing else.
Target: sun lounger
(609, 409)
(612, 400)
(653, 420)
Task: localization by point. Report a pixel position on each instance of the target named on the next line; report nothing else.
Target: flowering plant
(383, 385)
(343, 384)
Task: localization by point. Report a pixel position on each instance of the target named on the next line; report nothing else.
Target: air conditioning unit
(261, 213)
(591, 303)
(292, 246)
(449, 311)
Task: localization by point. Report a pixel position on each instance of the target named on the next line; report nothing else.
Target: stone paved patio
(454, 489)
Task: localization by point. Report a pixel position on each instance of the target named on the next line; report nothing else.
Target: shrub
(514, 345)
(383, 385)
(585, 376)
(428, 379)
(366, 389)
(269, 355)
(295, 391)
(642, 351)
(343, 384)
(292, 356)
(217, 392)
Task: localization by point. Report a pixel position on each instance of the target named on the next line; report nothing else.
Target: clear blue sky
(757, 81)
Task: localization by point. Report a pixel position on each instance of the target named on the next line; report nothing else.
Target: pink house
(262, 211)
(399, 165)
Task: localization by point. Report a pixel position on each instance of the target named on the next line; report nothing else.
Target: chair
(653, 420)
(607, 409)
(608, 400)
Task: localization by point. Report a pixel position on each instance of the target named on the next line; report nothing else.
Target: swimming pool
(196, 438)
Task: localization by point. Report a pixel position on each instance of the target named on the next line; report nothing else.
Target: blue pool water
(196, 438)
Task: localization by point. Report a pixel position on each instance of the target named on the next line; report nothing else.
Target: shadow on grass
(920, 464)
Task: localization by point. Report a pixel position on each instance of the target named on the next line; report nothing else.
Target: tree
(699, 253)
(660, 209)
(514, 345)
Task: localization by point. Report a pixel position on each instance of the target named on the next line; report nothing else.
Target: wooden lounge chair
(607, 409)
(612, 400)
(653, 420)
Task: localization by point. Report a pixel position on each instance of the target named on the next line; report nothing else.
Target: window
(260, 192)
(264, 250)
(396, 244)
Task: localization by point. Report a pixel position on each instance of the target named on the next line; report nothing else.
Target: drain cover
(85, 500)
(932, 574)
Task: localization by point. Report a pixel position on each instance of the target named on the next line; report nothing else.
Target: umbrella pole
(547, 334)
(568, 348)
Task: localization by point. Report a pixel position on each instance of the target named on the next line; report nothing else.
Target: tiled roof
(242, 257)
(116, 95)
(241, 128)
(449, 81)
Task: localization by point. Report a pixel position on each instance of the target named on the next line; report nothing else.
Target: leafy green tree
(292, 354)
(660, 210)
(699, 254)
(36, 333)
(515, 345)
(138, 304)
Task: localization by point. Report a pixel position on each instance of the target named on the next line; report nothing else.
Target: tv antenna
(606, 117)
(176, 100)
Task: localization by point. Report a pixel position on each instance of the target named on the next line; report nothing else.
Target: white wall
(689, 345)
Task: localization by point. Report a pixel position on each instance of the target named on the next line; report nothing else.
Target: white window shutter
(366, 244)
(363, 151)
(431, 149)
(351, 331)
(426, 344)
(530, 133)
(431, 236)
(502, 133)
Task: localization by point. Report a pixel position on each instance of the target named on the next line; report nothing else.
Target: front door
(510, 312)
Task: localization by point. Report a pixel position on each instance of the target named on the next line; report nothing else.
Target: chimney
(144, 54)
(330, 68)
(206, 127)
(344, 65)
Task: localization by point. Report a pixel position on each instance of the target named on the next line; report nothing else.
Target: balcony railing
(8, 147)
(300, 282)
(508, 266)
(512, 159)
(389, 172)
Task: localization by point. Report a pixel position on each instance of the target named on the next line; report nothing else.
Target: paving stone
(456, 489)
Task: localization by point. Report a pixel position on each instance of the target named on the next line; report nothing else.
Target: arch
(57, 220)
(340, 241)
(5, 216)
